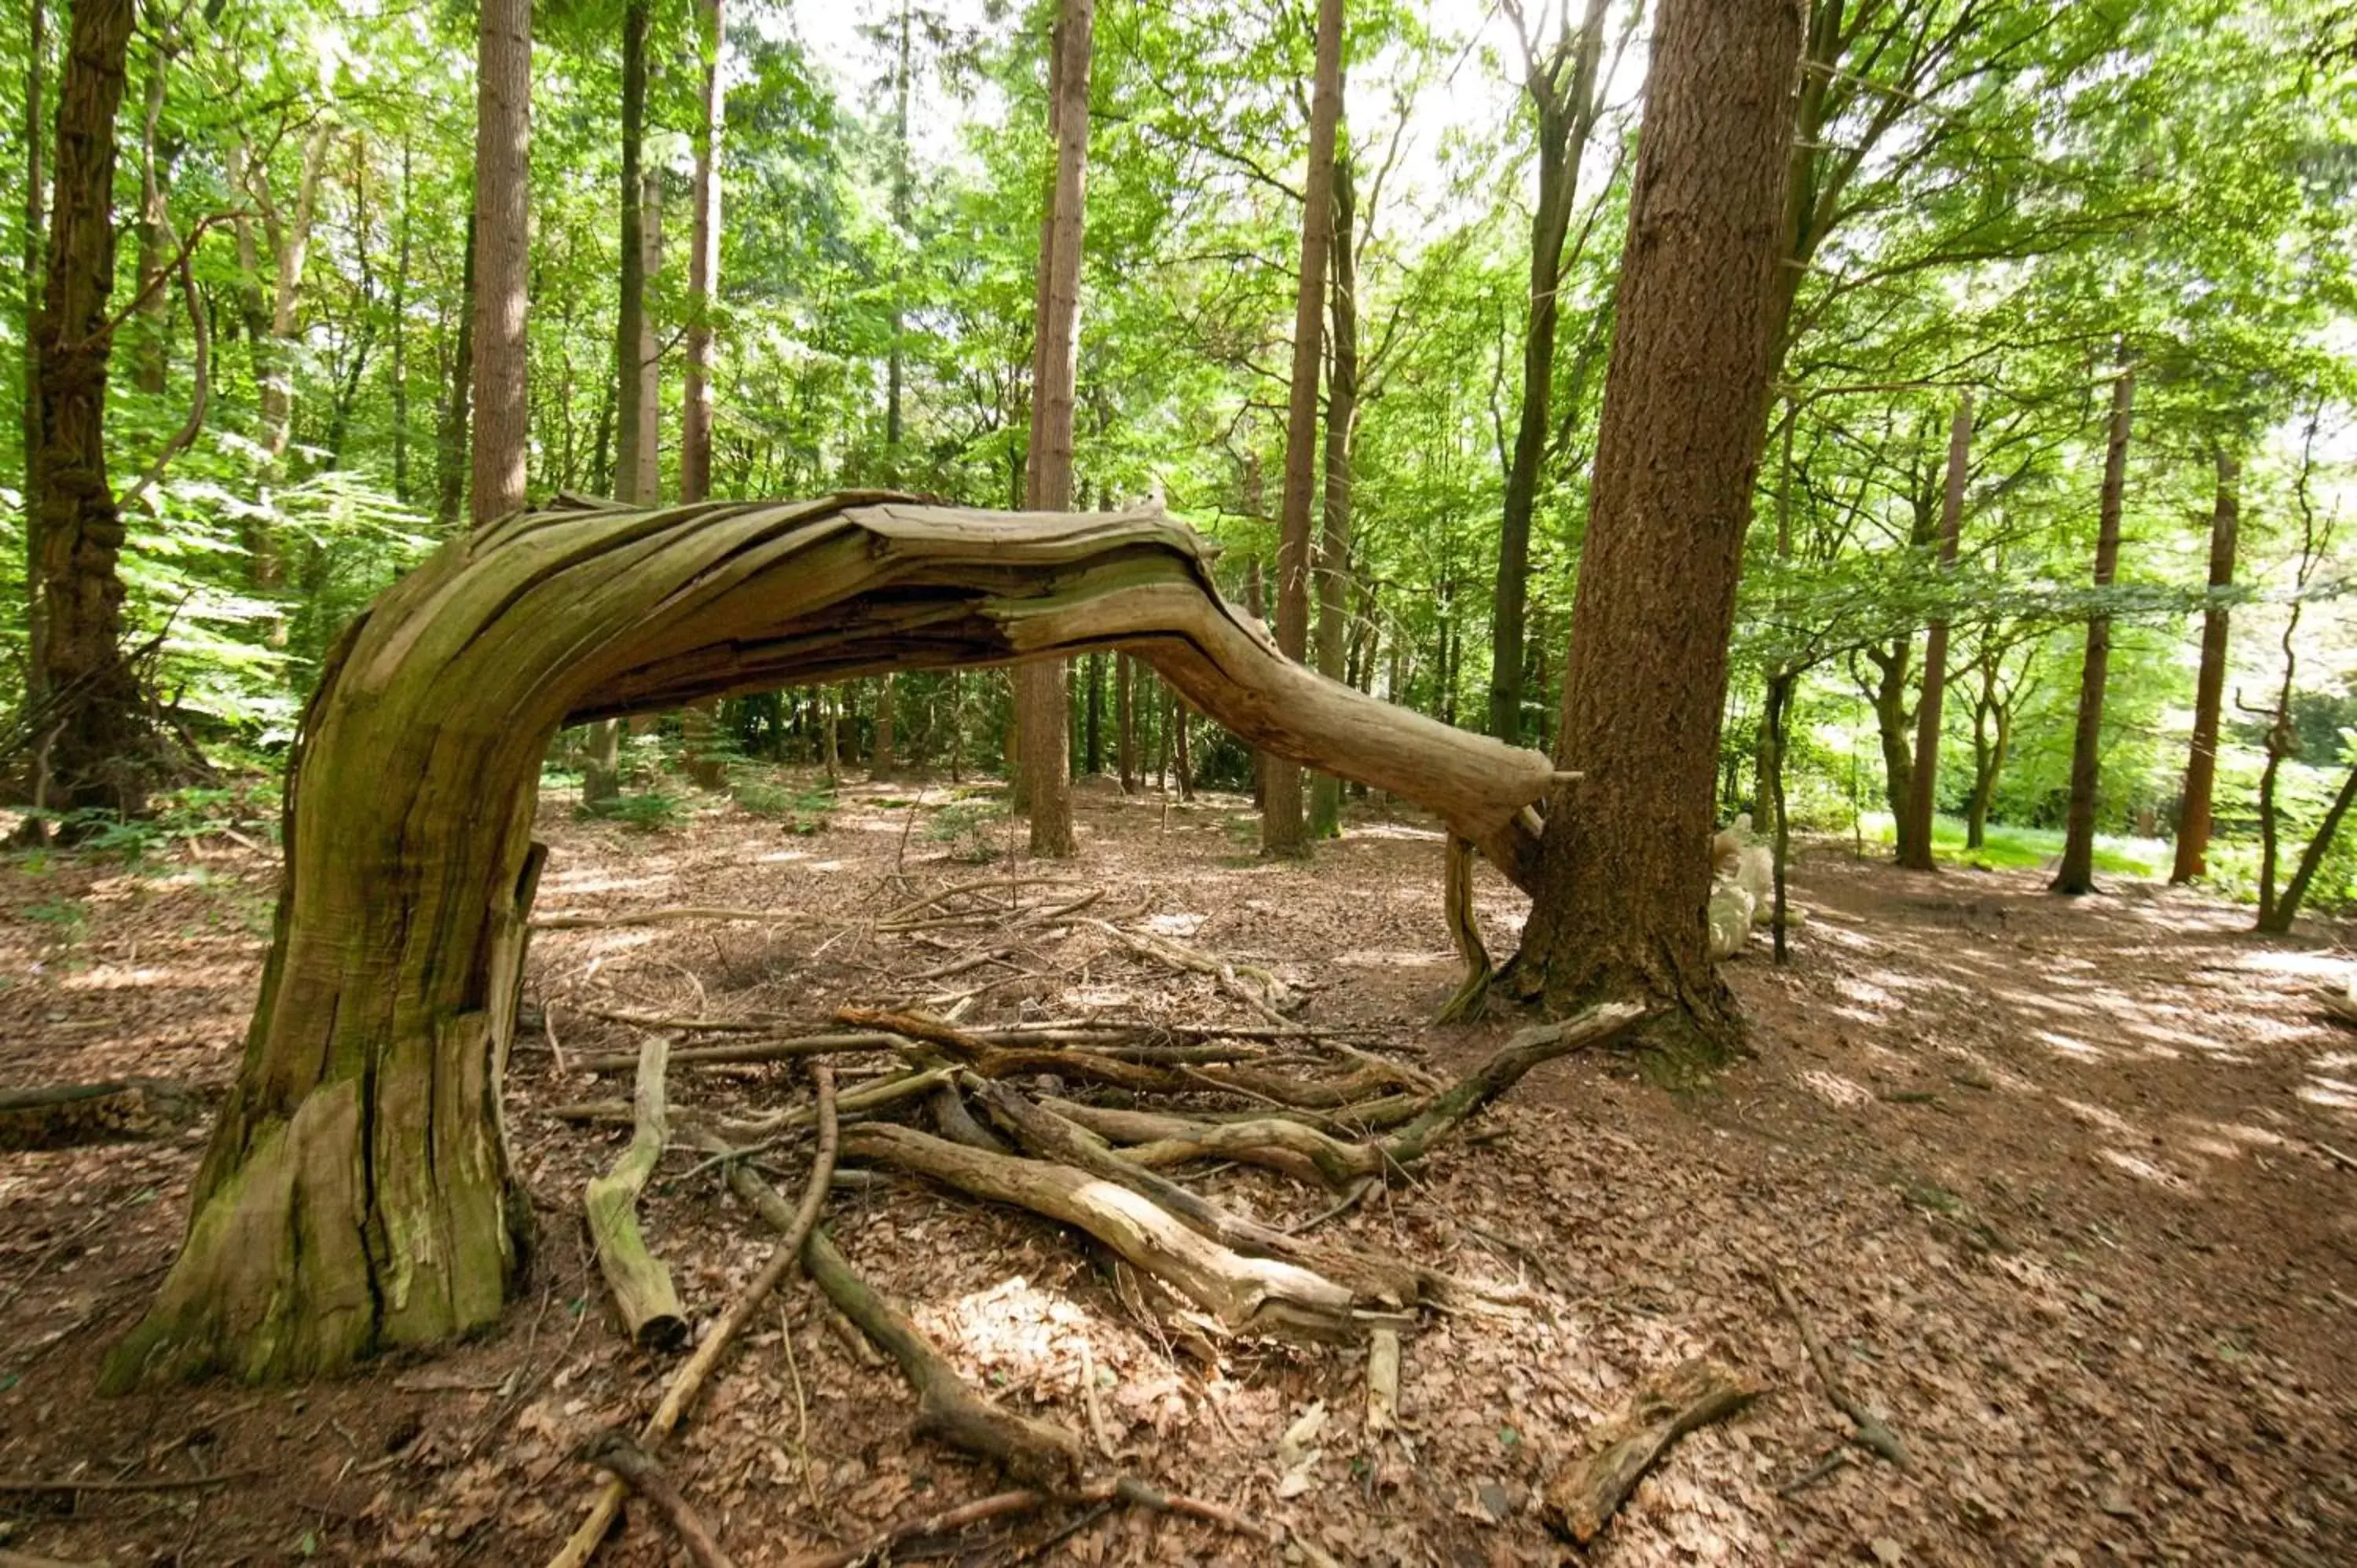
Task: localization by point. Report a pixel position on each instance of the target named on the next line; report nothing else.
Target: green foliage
(647, 811)
(801, 811)
(972, 828)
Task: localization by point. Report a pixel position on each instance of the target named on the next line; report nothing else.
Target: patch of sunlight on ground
(782, 858)
(2337, 1093)
(2289, 962)
(2069, 1046)
(1835, 1090)
(588, 879)
(2145, 1170)
(2333, 1061)
(1013, 1326)
(1397, 831)
(2110, 1121)
(1384, 958)
(1866, 993)
(108, 977)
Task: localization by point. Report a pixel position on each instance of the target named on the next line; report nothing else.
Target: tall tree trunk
(502, 422)
(1562, 91)
(151, 347)
(1255, 604)
(2210, 687)
(882, 751)
(400, 334)
(1281, 826)
(902, 172)
(36, 615)
(1043, 705)
(1125, 720)
(2275, 918)
(453, 440)
(703, 270)
(1624, 877)
(290, 249)
(103, 754)
(2077, 873)
(1923, 790)
(633, 341)
(1093, 747)
(1341, 421)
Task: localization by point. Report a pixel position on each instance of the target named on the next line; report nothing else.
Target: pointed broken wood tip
(1567, 775)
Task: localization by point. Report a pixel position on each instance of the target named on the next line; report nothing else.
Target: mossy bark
(356, 1195)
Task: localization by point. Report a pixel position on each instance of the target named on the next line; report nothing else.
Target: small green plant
(653, 811)
(67, 918)
(965, 826)
(803, 811)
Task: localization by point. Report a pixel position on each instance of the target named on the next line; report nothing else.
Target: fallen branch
(1872, 1433)
(689, 1381)
(1245, 1295)
(2345, 1162)
(642, 1284)
(633, 1468)
(1585, 1493)
(66, 1115)
(746, 1051)
(1272, 998)
(1008, 1505)
(20, 1487)
(676, 914)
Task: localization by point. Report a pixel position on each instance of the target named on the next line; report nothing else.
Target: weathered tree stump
(356, 1192)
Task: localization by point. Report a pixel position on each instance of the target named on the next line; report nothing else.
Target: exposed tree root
(1015, 1504)
(1465, 933)
(639, 1281)
(1585, 1493)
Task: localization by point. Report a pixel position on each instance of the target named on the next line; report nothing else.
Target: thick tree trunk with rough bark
(1281, 825)
(104, 752)
(356, 1195)
(1923, 787)
(2077, 873)
(2210, 686)
(1042, 692)
(1624, 884)
(502, 243)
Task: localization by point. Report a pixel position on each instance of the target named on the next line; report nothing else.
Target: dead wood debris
(641, 1283)
(634, 1467)
(1585, 1493)
(1871, 1433)
(61, 1116)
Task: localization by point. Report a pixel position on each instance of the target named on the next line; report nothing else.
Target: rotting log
(1584, 1493)
(357, 1193)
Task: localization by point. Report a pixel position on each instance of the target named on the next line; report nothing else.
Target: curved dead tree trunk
(356, 1192)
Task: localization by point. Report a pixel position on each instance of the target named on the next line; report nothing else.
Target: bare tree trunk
(2210, 687)
(1125, 720)
(703, 270)
(881, 758)
(37, 618)
(1281, 827)
(151, 348)
(901, 180)
(2277, 918)
(1093, 744)
(290, 249)
(1256, 603)
(400, 334)
(1923, 790)
(452, 440)
(1624, 872)
(2077, 873)
(1341, 421)
(1043, 704)
(1562, 90)
(102, 755)
(502, 422)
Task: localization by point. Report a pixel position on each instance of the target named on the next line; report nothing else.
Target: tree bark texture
(1625, 879)
(703, 270)
(356, 1193)
(2077, 873)
(101, 753)
(1341, 421)
(1281, 825)
(2193, 817)
(36, 93)
(501, 242)
(1924, 788)
(1042, 690)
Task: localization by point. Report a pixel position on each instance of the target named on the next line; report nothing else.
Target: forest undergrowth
(2058, 1188)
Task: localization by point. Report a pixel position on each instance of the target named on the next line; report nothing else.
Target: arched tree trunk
(356, 1194)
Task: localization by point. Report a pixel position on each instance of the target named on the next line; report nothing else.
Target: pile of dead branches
(1097, 1125)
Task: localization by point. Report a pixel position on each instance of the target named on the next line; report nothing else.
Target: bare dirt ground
(2054, 1183)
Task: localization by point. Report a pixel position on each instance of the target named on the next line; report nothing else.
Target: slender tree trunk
(400, 334)
(901, 181)
(151, 347)
(1255, 604)
(703, 271)
(1562, 90)
(883, 758)
(453, 441)
(2277, 918)
(102, 755)
(1341, 421)
(2077, 873)
(290, 246)
(37, 618)
(1043, 703)
(1125, 720)
(1281, 826)
(1924, 792)
(502, 422)
(1093, 747)
(2193, 817)
(1624, 876)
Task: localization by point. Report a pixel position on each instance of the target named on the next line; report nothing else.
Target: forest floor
(2054, 1181)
